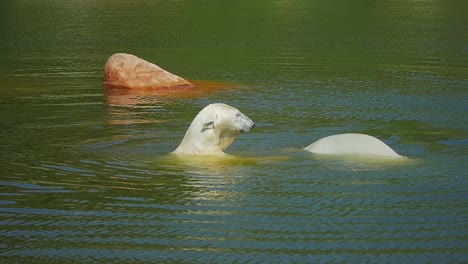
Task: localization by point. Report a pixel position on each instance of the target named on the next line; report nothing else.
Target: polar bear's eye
(238, 114)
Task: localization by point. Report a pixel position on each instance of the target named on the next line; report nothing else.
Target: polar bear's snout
(245, 124)
(246, 130)
(248, 124)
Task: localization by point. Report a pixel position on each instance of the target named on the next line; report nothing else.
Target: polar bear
(214, 128)
(352, 144)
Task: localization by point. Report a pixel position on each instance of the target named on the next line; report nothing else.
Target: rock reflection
(141, 97)
(120, 100)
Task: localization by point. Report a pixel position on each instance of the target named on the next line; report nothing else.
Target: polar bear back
(352, 144)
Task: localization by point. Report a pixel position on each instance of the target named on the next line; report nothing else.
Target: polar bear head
(213, 130)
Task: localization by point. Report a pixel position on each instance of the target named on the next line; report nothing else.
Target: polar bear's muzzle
(247, 123)
(248, 129)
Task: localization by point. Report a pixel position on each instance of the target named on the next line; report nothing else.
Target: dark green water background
(86, 176)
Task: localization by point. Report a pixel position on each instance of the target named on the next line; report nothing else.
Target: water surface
(86, 175)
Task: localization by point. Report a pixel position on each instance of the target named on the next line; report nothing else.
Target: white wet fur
(352, 144)
(214, 128)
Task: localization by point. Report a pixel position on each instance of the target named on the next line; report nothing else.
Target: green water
(86, 176)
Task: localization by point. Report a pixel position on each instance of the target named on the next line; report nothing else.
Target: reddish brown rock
(128, 71)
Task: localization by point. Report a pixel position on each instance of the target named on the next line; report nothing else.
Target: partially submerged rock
(129, 71)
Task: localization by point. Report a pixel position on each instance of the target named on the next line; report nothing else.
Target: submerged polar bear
(213, 130)
(352, 144)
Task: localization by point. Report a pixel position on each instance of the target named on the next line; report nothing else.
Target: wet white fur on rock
(214, 128)
(352, 144)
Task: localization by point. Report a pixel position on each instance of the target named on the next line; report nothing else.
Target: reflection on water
(362, 163)
(219, 165)
(87, 174)
(137, 97)
(120, 99)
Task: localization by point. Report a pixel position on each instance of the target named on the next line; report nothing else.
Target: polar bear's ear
(208, 125)
(210, 122)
